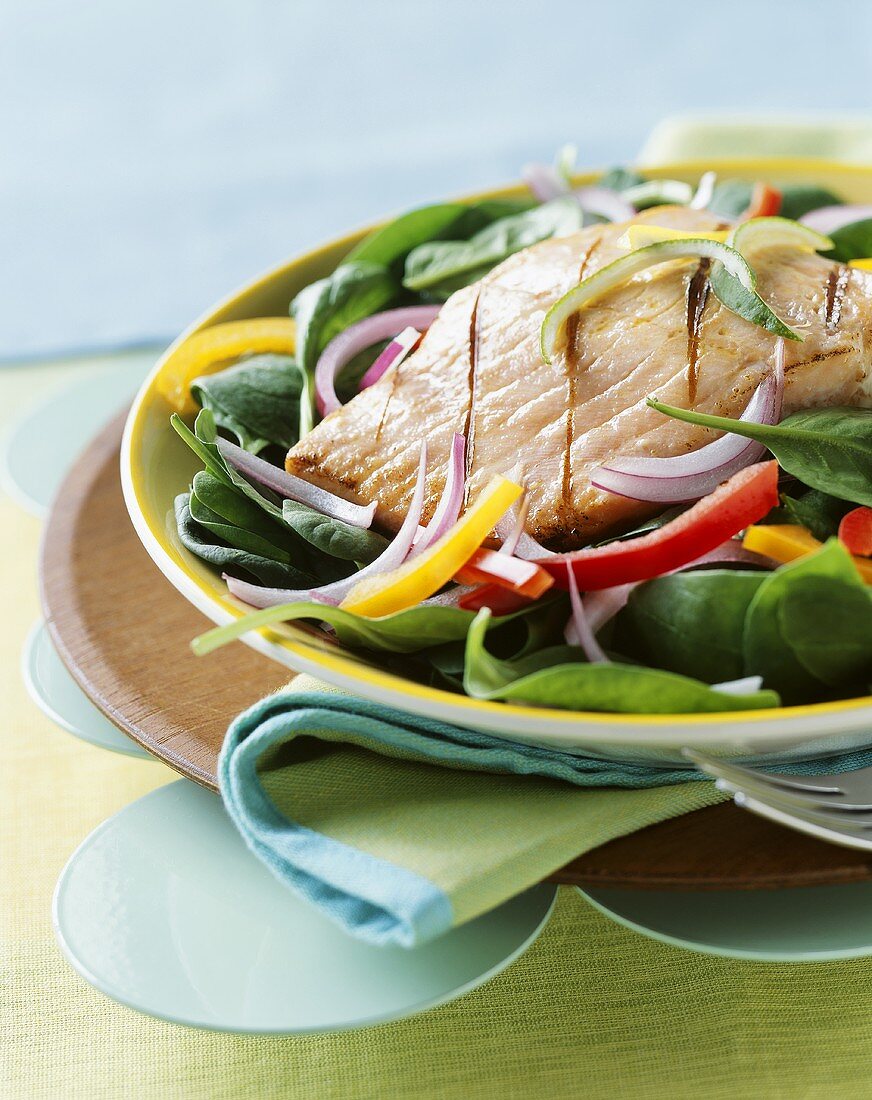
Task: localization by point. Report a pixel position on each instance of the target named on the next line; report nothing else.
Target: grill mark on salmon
(632, 342)
(697, 296)
(837, 285)
(469, 422)
(571, 366)
(821, 357)
(571, 395)
(384, 413)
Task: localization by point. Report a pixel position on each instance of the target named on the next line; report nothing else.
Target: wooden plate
(123, 632)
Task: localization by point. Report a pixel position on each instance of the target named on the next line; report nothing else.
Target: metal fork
(836, 808)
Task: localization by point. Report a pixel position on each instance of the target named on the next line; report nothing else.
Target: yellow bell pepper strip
(421, 576)
(209, 350)
(787, 542)
(640, 236)
(748, 237)
(864, 264)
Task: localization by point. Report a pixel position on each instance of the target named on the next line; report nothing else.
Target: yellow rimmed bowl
(156, 466)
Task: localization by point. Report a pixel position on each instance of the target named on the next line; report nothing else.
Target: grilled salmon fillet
(479, 371)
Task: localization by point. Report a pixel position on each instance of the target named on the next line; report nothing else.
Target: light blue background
(154, 155)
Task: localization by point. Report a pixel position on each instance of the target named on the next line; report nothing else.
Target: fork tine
(757, 783)
(834, 836)
(742, 774)
(835, 817)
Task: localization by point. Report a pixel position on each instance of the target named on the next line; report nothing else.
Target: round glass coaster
(36, 453)
(802, 924)
(58, 695)
(164, 909)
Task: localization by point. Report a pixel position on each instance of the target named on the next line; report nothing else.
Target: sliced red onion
(451, 597)
(544, 181)
(747, 685)
(448, 508)
(602, 606)
(731, 552)
(355, 339)
(295, 488)
(705, 190)
(827, 219)
(694, 475)
(525, 546)
(511, 540)
(393, 355)
(606, 203)
(392, 556)
(579, 628)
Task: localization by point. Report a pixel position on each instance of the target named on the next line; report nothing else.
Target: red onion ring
(692, 476)
(744, 686)
(393, 355)
(544, 181)
(705, 190)
(511, 540)
(606, 203)
(343, 348)
(451, 501)
(827, 219)
(547, 184)
(392, 556)
(579, 628)
(295, 488)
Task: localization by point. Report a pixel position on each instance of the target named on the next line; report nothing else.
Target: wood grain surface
(123, 632)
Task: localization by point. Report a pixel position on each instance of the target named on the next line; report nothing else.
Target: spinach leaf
(837, 650)
(332, 536)
(203, 544)
(479, 214)
(731, 198)
(325, 308)
(828, 449)
(851, 242)
(393, 242)
(801, 198)
(438, 263)
(619, 179)
(257, 400)
(774, 638)
(235, 508)
(747, 303)
(559, 677)
(819, 512)
(689, 623)
(238, 537)
(403, 632)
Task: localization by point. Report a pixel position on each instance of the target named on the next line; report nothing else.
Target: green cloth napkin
(400, 828)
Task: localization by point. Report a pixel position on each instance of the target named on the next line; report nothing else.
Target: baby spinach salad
(743, 582)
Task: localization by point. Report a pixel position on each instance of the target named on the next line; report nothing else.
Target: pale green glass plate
(802, 924)
(58, 695)
(163, 908)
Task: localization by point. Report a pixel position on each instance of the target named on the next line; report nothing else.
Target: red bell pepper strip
(855, 531)
(745, 498)
(765, 202)
(489, 567)
(501, 601)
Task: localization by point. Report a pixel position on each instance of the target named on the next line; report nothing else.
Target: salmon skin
(479, 371)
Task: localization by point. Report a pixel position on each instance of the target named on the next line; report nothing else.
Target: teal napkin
(400, 827)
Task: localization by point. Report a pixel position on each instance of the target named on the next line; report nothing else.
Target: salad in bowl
(594, 446)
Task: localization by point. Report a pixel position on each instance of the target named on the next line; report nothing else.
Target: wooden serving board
(123, 632)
